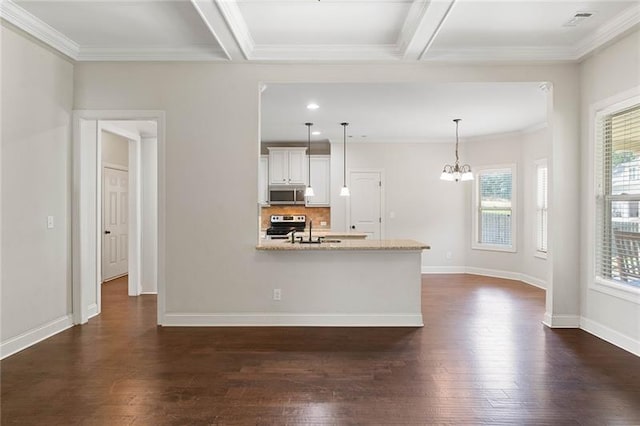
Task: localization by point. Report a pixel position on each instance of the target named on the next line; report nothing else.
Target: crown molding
(238, 26)
(318, 52)
(22, 19)
(611, 29)
(501, 54)
(187, 53)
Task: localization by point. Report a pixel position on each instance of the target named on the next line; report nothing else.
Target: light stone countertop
(347, 244)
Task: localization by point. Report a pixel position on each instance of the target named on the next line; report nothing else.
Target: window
(494, 201)
(542, 200)
(618, 197)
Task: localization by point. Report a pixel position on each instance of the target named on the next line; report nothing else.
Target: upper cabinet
(320, 181)
(298, 166)
(287, 166)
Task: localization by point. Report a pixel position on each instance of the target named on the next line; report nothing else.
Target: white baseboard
(536, 282)
(149, 292)
(292, 320)
(495, 273)
(35, 335)
(443, 270)
(608, 334)
(92, 311)
(561, 321)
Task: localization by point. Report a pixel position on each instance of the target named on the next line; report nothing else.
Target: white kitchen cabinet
(287, 166)
(263, 180)
(298, 166)
(320, 181)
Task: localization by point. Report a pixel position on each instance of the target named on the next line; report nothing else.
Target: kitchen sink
(320, 240)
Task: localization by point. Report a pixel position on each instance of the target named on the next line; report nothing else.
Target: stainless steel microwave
(288, 195)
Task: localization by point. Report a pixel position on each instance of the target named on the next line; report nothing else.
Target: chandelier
(456, 172)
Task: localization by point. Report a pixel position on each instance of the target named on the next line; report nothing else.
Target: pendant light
(309, 191)
(456, 172)
(344, 192)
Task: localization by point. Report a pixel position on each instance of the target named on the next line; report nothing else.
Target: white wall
(149, 283)
(534, 146)
(608, 73)
(521, 149)
(37, 93)
(491, 151)
(115, 149)
(426, 209)
(439, 213)
(212, 127)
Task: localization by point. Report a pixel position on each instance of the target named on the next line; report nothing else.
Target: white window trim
(475, 245)
(608, 106)
(541, 162)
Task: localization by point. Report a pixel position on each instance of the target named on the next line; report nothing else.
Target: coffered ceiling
(324, 30)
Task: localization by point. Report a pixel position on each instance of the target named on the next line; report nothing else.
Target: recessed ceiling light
(316, 133)
(313, 106)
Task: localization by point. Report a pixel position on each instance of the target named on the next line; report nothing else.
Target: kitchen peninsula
(350, 282)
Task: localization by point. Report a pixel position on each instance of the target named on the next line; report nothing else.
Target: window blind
(542, 199)
(494, 207)
(618, 196)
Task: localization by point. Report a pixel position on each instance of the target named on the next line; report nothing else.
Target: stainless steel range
(282, 225)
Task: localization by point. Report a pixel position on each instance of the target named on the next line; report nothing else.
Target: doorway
(365, 206)
(116, 209)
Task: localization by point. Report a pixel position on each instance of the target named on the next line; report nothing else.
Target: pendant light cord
(457, 120)
(344, 158)
(309, 149)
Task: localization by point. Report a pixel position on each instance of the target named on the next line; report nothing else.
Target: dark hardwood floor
(483, 357)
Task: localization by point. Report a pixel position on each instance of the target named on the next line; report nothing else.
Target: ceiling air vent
(577, 19)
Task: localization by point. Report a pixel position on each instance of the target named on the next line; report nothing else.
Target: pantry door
(365, 203)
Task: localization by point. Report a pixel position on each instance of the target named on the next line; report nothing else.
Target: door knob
(353, 227)
(107, 232)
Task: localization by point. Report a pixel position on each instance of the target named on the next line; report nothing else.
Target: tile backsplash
(317, 214)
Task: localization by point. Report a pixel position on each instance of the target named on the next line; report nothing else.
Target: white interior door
(115, 229)
(365, 203)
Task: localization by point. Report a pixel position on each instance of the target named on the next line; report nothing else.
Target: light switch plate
(50, 222)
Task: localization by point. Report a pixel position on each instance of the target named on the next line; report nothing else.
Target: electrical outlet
(277, 294)
(323, 223)
(449, 255)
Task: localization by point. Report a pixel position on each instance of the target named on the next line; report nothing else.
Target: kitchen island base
(329, 288)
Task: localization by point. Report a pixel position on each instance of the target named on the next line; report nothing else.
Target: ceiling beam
(214, 17)
(422, 25)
